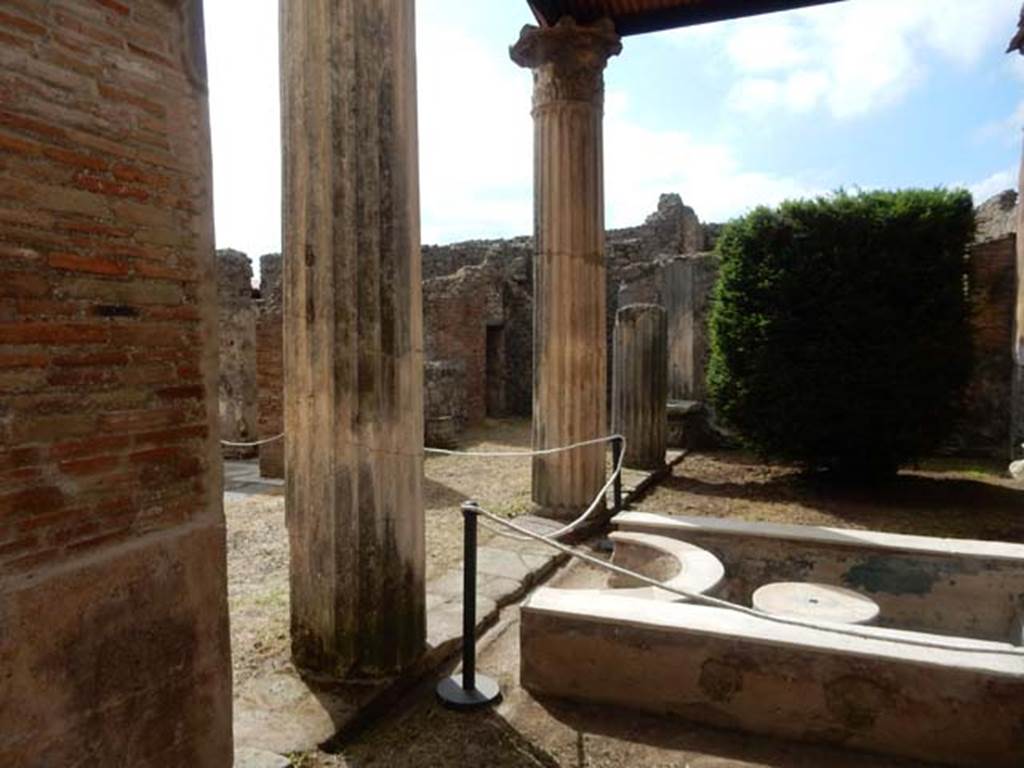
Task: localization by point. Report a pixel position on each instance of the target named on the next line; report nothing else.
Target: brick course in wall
(112, 558)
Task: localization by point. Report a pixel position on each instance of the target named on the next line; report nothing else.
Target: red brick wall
(104, 400)
(109, 479)
(456, 311)
(992, 282)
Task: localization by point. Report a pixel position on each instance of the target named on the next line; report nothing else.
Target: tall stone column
(640, 384)
(353, 336)
(569, 392)
(1017, 391)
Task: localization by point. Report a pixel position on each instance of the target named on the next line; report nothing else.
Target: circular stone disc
(815, 601)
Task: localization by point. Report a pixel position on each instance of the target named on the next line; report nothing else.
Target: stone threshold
(284, 713)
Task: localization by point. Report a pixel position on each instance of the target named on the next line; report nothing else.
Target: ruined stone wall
(270, 365)
(445, 391)
(672, 229)
(457, 310)
(441, 260)
(237, 378)
(989, 425)
(113, 614)
(455, 316)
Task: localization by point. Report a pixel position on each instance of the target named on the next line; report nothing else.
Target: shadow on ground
(440, 496)
(951, 504)
(639, 736)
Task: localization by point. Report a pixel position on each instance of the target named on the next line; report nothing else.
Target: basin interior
(940, 676)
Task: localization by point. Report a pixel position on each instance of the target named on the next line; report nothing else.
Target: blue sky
(868, 93)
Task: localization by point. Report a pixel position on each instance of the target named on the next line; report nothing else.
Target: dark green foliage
(839, 331)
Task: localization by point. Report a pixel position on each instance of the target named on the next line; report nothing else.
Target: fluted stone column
(569, 400)
(640, 383)
(1017, 407)
(353, 336)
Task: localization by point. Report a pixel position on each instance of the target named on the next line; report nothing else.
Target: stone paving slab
(281, 713)
(243, 477)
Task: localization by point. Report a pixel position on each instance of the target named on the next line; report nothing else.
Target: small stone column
(569, 391)
(353, 338)
(640, 383)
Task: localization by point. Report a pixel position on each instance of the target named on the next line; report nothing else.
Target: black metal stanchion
(617, 486)
(468, 690)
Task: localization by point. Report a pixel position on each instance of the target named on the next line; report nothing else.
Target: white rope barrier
(252, 445)
(523, 454)
(719, 603)
(524, 534)
(601, 495)
(594, 505)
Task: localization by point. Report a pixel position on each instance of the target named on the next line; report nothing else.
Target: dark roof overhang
(634, 17)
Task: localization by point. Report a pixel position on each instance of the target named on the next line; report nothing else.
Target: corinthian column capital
(567, 60)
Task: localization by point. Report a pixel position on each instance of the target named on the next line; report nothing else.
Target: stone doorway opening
(494, 371)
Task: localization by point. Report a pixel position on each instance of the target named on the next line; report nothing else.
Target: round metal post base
(452, 694)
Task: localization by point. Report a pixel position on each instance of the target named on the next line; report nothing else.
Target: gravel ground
(524, 732)
(945, 498)
(941, 498)
(500, 485)
(258, 541)
(257, 583)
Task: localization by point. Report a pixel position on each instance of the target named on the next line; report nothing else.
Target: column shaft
(353, 335)
(640, 384)
(569, 393)
(1017, 407)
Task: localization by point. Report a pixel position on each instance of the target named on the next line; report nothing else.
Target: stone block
(719, 667)
(142, 629)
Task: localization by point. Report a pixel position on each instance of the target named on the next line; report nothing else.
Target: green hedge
(839, 330)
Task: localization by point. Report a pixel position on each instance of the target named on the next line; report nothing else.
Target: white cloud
(1007, 130)
(854, 57)
(993, 185)
(476, 149)
(246, 124)
(476, 137)
(1014, 64)
(768, 45)
(641, 163)
(799, 92)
